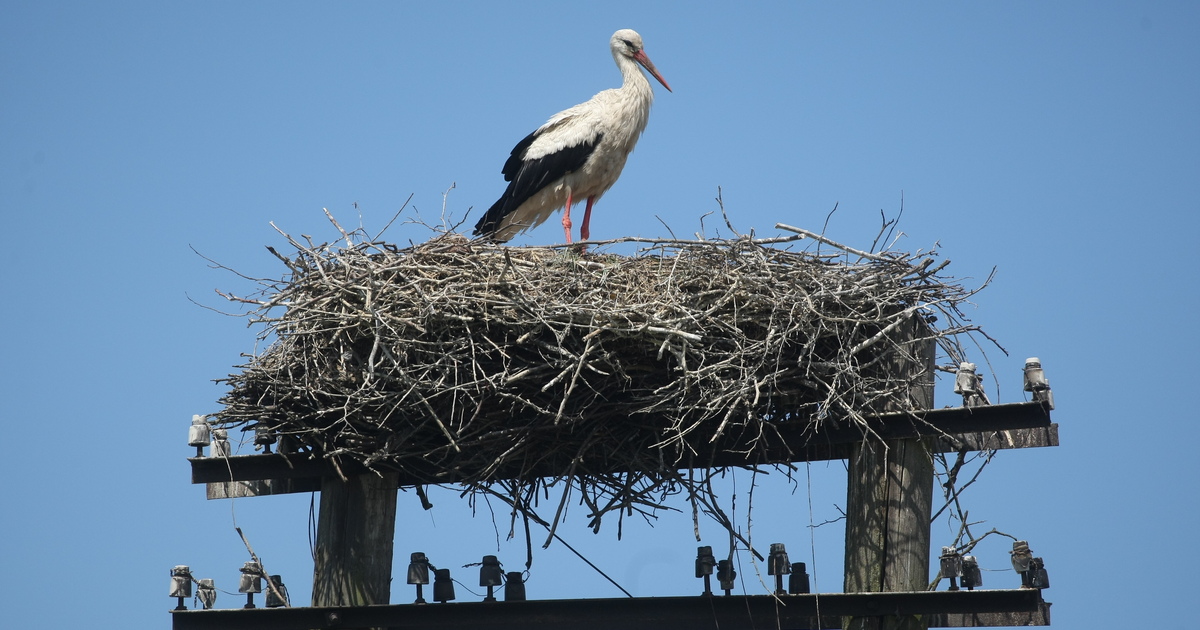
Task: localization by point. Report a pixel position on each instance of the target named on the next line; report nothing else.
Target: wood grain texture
(355, 536)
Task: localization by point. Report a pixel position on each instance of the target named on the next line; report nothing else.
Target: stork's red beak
(640, 57)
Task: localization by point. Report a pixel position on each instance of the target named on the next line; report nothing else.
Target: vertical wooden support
(356, 531)
(890, 498)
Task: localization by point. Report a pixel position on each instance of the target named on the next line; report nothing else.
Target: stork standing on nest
(578, 153)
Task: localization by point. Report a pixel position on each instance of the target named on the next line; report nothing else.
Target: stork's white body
(617, 117)
(578, 154)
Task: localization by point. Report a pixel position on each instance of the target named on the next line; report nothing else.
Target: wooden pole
(890, 498)
(355, 534)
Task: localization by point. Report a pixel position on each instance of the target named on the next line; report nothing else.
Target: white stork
(578, 153)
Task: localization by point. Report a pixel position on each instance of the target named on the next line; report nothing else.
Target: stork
(578, 153)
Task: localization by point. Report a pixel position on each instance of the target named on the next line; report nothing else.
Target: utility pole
(890, 497)
(356, 531)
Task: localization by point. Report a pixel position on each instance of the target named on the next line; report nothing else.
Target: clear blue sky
(1058, 142)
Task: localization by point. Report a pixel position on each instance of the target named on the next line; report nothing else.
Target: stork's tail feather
(489, 223)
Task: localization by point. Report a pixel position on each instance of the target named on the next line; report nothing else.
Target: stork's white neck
(635, 85)
(632, 106)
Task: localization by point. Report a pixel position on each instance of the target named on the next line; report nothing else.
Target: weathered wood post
(890, 497)
(355, 535)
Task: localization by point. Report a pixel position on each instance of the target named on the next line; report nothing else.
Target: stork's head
(627, 43)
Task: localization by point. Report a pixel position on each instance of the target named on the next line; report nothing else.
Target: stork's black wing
(526, 177)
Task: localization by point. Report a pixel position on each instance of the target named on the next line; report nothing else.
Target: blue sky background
(1057, 142)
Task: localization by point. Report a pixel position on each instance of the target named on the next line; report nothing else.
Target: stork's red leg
(567, 217)
(584, 232)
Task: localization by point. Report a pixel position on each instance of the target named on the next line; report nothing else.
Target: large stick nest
(508, 370)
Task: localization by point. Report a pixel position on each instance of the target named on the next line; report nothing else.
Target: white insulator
(181, 581)
(198, 433)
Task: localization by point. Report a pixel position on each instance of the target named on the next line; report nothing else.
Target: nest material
(511, 369)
